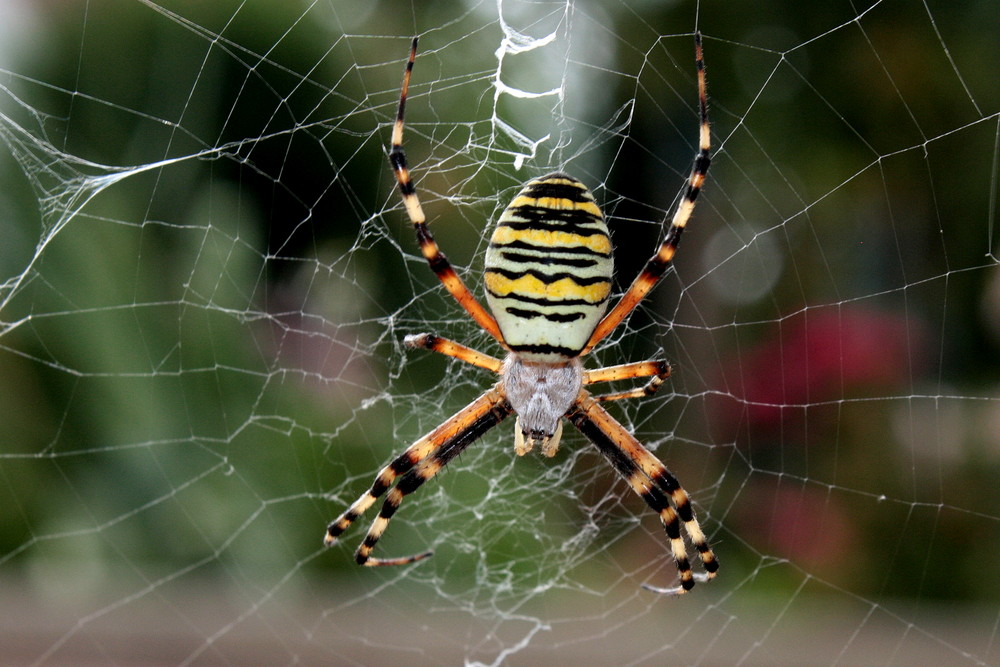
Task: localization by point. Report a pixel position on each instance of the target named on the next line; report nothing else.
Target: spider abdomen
(548, 269)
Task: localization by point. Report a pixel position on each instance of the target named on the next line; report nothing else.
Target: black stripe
(437, 261)
(380, 487)
(397, 158)
(566, 216)
(546, 187)
(546, 278)
(522, 258)
(523, 314)
(702, 162)
(542, 301)
(568, 250)
(388, 508)
(673, 237)
(684, 510)
(545, 349)
(709, 565)
(673, 531)
(654, 267)
(551, 317)
(402, 463)
(335, 529)
(665, 481)
(546, 225)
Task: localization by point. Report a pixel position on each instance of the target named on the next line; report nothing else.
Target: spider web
(207, 276)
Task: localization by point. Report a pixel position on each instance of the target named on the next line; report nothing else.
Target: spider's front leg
(657, 265)
(436, 259)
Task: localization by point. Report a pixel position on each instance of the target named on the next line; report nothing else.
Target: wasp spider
(548, 281)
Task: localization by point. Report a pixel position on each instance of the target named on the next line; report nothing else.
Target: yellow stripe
(564, 288)
(599, 243)
(557, 204)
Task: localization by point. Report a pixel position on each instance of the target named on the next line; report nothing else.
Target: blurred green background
(206, 278)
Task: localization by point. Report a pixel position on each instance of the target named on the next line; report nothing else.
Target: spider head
(525, 441)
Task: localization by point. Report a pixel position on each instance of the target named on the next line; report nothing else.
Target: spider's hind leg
(651, 481)
(420, 462)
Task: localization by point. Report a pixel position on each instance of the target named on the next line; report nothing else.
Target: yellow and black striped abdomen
(548, 269)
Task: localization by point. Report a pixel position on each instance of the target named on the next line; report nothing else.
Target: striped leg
(659, 370)
(650, 480)
(658, 263)
(417, 464)
(428, 246)
(450, 348)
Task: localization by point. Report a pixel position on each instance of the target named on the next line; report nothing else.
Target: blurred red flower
(824, 356)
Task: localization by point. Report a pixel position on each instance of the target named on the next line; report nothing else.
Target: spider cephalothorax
(540, 394)
(548, 281)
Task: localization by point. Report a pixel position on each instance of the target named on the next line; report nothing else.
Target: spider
(548, 282)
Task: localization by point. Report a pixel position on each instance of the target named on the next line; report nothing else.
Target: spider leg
(658, 369)
(658, 263)
(650, 480)
(428, 246)
(450, 348)
(418, 463)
